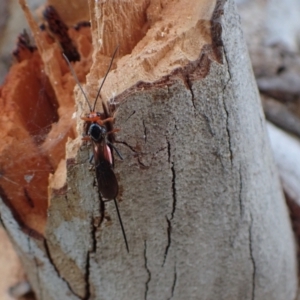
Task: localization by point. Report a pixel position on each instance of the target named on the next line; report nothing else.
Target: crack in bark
(174, 282)
(47, 252)
(169, 230)
(252, 257)
(174, 197)
(130, 116)
(94, 242)
(225, 108)
(102, 209)
(160, 150)
(148, 271)
(189, 84)
(211, 131)
(145, 132)
(217, 153)
(174, 194)
(169, 151)
(127, 145)
(138, 155)
(93, 250)
(228, 69)
(87, 277)
(228, 131)
(240, 193)
(142, 164)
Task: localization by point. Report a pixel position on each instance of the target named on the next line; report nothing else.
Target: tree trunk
(199, 195)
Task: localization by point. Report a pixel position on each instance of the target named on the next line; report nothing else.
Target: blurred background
(12, 23)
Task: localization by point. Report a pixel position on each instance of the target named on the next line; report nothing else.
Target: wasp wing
(106, 179)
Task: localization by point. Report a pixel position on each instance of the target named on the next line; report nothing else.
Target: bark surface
(199, 195)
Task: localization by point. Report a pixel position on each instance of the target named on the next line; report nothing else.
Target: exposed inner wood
(37, 106)
(71, 12)
(171, 41)
(154, 37)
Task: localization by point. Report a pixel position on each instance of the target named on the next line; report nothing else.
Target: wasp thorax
(96, 132)
(92, 115)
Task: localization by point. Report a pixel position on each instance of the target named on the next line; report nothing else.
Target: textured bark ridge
(199, 195)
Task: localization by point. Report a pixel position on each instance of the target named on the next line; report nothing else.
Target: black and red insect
(100, 133)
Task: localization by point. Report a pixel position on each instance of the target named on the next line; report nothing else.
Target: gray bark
(199, 194)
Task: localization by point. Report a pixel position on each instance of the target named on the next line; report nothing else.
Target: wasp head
(97, 132)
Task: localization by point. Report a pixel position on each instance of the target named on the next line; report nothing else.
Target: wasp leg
(102, 122)
(117, 151)
(113, 131)
(90, 160)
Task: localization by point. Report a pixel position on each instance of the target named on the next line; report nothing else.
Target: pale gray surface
(40, 271)
(286, 149)
(201, 202)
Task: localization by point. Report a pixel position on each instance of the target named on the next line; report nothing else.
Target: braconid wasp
(100, 133)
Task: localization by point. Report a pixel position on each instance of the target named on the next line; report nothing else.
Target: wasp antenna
(121, 223)
(105, 109)
(104, 78)
(77, 81)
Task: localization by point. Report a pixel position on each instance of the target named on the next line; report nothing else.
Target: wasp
(100, 133)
